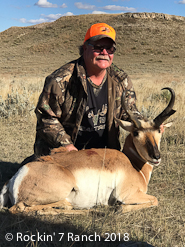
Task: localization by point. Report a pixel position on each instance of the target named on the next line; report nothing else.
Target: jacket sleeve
(124, 84)
(48, 112)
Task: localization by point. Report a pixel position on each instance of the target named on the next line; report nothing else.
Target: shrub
(16, 104)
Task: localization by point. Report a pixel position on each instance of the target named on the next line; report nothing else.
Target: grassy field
(163, 226)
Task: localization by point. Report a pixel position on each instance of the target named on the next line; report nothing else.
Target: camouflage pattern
(63, 100)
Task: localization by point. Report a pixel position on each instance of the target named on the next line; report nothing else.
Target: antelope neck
(130, 151)
(138, 163)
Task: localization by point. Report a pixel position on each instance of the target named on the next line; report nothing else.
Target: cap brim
(98, 37)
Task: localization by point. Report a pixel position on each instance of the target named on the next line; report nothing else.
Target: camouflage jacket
(63, 100)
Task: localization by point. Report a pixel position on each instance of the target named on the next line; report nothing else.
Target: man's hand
(71, 147)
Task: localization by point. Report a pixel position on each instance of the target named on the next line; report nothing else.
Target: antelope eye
(135, 133)
(159, 130)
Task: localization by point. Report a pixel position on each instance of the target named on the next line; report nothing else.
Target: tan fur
(83, 179)
(60, 180)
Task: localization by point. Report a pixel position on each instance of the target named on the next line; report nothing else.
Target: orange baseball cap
(100, 31)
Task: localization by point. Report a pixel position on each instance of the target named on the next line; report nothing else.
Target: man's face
(96, 57)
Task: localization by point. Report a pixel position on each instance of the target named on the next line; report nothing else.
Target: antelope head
(145, 135)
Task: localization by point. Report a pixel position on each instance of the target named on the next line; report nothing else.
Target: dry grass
(9, 84)
(26, 60)
(160, 227)
(151, 100)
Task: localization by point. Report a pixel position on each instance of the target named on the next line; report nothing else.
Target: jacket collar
(81, 72)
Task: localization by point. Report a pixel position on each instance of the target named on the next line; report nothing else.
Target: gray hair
(81, 48)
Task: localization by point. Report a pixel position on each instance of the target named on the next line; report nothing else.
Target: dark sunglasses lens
(109, 50)
(98, 48)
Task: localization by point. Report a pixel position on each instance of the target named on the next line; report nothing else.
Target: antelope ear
(167, 125)
(125, 124)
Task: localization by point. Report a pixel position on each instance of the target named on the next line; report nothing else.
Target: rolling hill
(146, 42)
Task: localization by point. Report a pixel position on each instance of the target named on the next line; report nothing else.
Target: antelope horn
(168, 111)
(132, 117)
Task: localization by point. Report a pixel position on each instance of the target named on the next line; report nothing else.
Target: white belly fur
(15, 182)
(94, 187)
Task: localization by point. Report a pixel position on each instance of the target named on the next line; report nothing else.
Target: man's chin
(103, 64)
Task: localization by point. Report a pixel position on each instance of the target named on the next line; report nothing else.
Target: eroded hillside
(146, 42)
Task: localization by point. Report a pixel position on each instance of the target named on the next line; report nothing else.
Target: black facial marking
(152, 149)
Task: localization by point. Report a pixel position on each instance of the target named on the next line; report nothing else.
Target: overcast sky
(31, 12)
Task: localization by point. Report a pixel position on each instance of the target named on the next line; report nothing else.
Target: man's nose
(104, 51)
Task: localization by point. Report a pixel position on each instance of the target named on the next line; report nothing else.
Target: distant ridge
(145, 42)
(136, 15)
(146, 15)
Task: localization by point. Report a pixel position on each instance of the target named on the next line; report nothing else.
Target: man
(79, 100)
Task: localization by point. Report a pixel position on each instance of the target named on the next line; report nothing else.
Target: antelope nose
(157, 156)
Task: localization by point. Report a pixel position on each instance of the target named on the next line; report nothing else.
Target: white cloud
(45, 18)
(182, 2)
(98, 12)
(63, 6)
(54, 17)
(51, 17)
(46, 4)
(38, 21)
(68, 14)
(80, 5)
(119, 8)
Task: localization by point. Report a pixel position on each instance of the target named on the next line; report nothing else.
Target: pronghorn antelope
(83, 179)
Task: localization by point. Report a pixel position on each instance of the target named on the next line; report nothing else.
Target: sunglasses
(100, 48)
